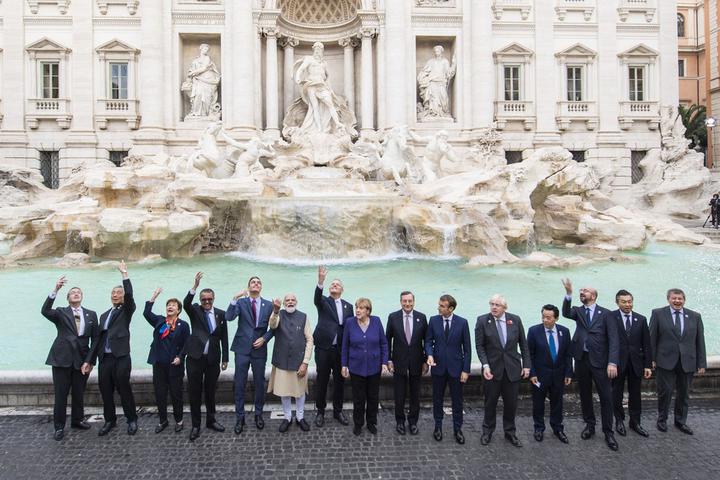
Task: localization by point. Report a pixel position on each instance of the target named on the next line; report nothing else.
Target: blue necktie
(107, 330)
(551, 343)
(587, 314)
(209, 322)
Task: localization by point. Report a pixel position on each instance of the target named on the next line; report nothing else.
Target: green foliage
(693, 117)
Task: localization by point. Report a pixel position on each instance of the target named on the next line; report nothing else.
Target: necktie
(447, 328)
(107, 329)
(339, 310)
(408, 332)
(500, 332)
(678, 327)
(587, 314)
(77, 323)
(209, 322)
(551, 344)
(252, 309)
(627, 323)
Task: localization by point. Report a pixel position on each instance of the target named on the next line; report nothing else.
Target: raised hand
(322, 273)
(155, 294)
(240, 295)
(277, 303)
(198, 277)
(568, 286)
(122, 268)
(60, 283)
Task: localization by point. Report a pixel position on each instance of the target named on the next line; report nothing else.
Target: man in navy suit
(447, 345)
(597, 352)
(550, 370)
(635, 362)
(250, 347)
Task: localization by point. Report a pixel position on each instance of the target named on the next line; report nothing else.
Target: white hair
(497, 298)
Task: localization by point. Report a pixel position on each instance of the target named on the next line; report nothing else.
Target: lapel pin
(560, 332)
(489, 321)
(508, 322)
(686, 315)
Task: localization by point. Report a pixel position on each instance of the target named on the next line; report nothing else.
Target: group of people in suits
(608, 349)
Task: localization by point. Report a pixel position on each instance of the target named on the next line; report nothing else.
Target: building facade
(712, 73)
(95, 79)
(691, 52)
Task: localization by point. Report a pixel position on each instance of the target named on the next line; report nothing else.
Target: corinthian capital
(367, 32)
(291, 42)
(348, 42)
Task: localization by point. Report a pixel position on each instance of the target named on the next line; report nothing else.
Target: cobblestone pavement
(28, 451)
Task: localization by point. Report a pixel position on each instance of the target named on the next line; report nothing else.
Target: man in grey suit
(677, 341)
(498, 335)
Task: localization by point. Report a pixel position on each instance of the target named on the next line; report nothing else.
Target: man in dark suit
(250, 347)
(634, 362)
(207, 354)
(76, 328)
(677, 341)
(405, 332)
(498, 336)
(332, 312)
(550, 370)
(597, 351)
(448, 350)
(113, 349)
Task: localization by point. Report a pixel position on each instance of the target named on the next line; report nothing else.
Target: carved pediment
(514, 51)
(577, 50)
(639, 51)
(45, 45)
(116, 46)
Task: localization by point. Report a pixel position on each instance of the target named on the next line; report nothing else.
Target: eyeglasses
(206, 300)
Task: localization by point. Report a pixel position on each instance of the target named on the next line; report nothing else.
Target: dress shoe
(239, 426)
(304, 426)
(400, 428)
(59, 434)
(105, 429)
(561, 436)
(413, 429)
(588, 431)
(372, 428)
(485, 438)
(194, 433)
(259, 422)
(357, 429)
(82, 425)
(340, 417)
(437, 434)
(459, 437)
(662, 426)
(611, 443)
(178, 427)
(132, 428)
(512, 438)
(538, 435)
(161, 426)
(284, 425)
(620, 428)
(683, 428)
(215, 425)
(637, 428)
(319, 419)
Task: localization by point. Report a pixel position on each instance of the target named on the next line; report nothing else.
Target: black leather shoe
(178, 427)
(683, 428)
(437, 434)
(259, 422)
(512, 438)
(485, 438)
(611, 443)
(459, 437)
(194, 433)
(319, 419)
(81, 425)
(637, 428)
(588, 432)
(105, 429)
(620, 428)
(239, 426)
(284, 425)
(538, 435)
(304, 426)
(161, 426)
(400, 428)
(59, 434)
(561, 436)
(413, 429)
(215, 425)
(662, 426)
(372, 428)
(132, 428)
(357, 429)
(340, 417)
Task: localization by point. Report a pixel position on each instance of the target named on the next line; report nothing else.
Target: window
(119, 81)
(512, 82)
(681, 68)
(117, 156)
(513, 156)
(50, 168)
(575, 83)
(50, 87)
(578, 155)
(636, 76)
(680, 25)
(636, 173)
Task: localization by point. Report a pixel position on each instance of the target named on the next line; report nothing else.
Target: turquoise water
(27, 335)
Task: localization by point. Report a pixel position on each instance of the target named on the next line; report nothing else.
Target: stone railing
(117, 109)
(568, 112)
(57, 109)
(640, 111)
(645, 7)
(586, 7)
(508, 110)
(501, 6)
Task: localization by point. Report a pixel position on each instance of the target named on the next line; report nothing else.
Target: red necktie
(252, 309)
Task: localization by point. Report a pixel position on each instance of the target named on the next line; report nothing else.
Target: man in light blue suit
(447, 345)
(250, 347)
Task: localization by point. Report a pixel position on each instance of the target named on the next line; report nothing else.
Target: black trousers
(327, 361)
(439, 383)
(202, 378)
(401, 382)
(494, 389)
(168, 378)
(114, 375)
(634, 403)
(666, 381)
(555, 391)
(68, 380)
(586, 375)
(366, 398)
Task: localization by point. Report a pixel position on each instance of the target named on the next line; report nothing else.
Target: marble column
(367, 98)
(608, 95)
(482, 94)
(239, 106)
(398, 84)
(546, 82)
(349, 45)
(288, 44)
(271, 82)
(669, 83)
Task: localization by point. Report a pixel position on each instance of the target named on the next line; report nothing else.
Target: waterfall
(531, 242)
(448, 239)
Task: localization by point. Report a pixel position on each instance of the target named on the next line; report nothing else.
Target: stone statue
(433, 82)
(674, 143)
(208, 157)
(201, 86)
(441, 155)
(398, 160)
(248, 161)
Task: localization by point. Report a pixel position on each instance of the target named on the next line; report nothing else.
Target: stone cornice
(198, 18)
(47, 20)
(436, 19)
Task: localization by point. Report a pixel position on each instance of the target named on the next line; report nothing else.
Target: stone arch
(319, 12)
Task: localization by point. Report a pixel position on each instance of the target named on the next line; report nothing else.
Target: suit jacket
(70, 349)
(407, 359)
(600, 335)
(247, 332)
(668, 347)
(541, 363)
(491, 352)
(118, 331)
(364, 353)
(635, 351)
(452, 356)
(195, 344)
(328, 326)
(159, 352)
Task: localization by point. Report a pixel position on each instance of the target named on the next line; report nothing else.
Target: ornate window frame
(42, 51)
(577, 55)
(514, 54)
(116, 51)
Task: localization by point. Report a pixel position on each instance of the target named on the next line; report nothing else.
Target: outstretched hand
(123, 268)
(155, 294)
(60, 283)
(568, 286)
(198, 277)
(322, 273)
